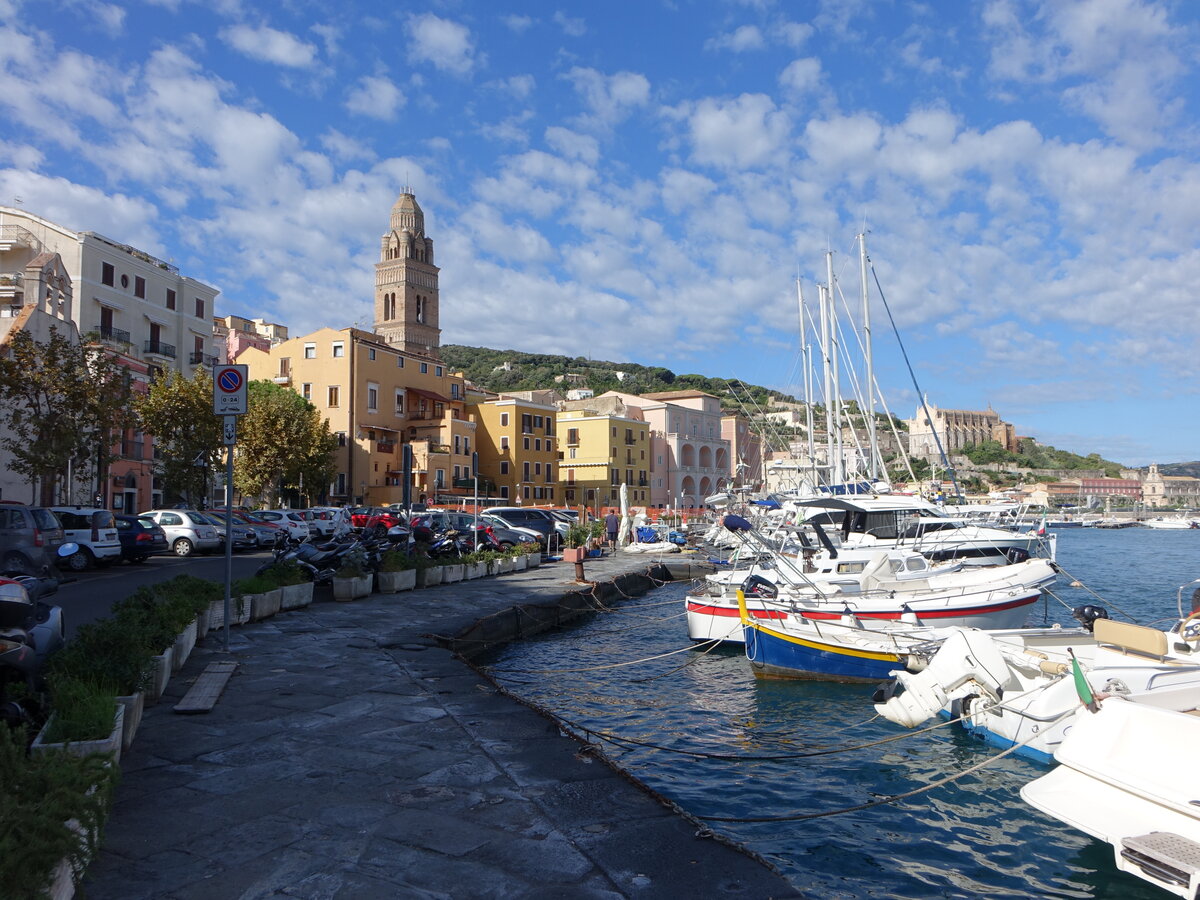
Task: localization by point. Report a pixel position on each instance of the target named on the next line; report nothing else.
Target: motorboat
(1123, 777)
(1170, 523)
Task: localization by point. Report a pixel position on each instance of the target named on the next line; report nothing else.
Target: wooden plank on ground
(204, 693)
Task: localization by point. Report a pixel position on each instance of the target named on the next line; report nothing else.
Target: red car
(372, 517)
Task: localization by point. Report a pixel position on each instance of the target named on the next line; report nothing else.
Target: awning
(429, 395)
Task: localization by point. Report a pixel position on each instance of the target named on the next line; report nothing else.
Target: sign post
(229, 401)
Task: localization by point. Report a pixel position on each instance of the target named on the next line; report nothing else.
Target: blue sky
(643, 181)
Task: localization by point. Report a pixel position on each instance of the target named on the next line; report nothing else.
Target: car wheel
(79, 560)
(182, 547)
(16, 562)
(507, 545)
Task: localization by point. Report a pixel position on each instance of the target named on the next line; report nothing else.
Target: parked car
(244, 537)
(187, 530)
(94, 530)
(290, 519)
(510, 534)
(532, 517)
(442, 520)
(363, 516)
(29, 538)
(141, 537)
(265, 531)
(320, 522)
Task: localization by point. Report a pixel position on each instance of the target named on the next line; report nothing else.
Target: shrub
(354, 565)
(578, 534)
(396, 561)
(110, 652)
(255, 584)
(83, 710)
(158, 621)
(286, 572)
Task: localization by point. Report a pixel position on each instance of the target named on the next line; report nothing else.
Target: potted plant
(261, 593)
(397, 572)
(429, 572)
(452, 570)
(533, 554)
(296, 588)
(160, 625)
(575, 542)
(517, 556)
(85, 718)
(474, 565)
(55, 804)
(352, 580)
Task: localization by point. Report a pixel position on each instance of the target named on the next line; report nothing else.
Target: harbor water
(702, 730)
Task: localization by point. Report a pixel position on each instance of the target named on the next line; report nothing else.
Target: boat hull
(775, 654)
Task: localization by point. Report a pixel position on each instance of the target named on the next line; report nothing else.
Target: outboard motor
(757, 586)
(1088, 614)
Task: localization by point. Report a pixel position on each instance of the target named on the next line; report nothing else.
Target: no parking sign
(229, 390)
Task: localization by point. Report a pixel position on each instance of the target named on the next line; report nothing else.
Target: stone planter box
(183, 647)
(160, 673)
(351, 588)
(265, 605)
(394, 582)
(472, 571)
(202, 620)
(452, 573)
(574, 554)
(216, 612)
(295, 596)
(134, 704)
(518, 563)
(110, 744)
(429, 577)
(533, 560)
(504, 566)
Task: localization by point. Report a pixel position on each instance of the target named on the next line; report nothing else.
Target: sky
(644, 182)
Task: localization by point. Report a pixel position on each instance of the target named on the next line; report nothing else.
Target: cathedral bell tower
(406, 282)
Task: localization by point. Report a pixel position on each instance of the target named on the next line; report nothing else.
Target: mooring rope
(1075, 582)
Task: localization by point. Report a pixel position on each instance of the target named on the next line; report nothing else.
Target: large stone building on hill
(956, 428)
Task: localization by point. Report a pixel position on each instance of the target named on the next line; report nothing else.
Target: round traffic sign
(229, 380)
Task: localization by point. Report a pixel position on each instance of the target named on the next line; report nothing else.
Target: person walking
(612, 523)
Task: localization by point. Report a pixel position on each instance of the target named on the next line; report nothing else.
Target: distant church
(406, 282)
(957, 428)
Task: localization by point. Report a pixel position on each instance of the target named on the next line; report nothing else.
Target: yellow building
(518, 450)
(600, 452)
(377, 399)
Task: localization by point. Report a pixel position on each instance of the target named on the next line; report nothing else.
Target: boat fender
(1049, 667)
(849, 619)
(908, 617)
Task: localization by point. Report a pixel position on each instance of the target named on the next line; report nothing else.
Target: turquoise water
(970, 838)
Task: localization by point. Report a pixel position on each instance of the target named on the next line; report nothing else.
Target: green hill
(515, 370)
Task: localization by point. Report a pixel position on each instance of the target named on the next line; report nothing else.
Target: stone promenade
(353, 755)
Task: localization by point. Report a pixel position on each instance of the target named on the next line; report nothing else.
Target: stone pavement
(353, 756)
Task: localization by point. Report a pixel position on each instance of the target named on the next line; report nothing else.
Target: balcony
(158, 348)
(200, 358)
(385, 447)
(133, 450)
(12, 285)
(112, 335)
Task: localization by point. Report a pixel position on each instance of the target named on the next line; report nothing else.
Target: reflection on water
(972, 837)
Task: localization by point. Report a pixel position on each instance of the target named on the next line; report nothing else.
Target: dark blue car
(141, 538)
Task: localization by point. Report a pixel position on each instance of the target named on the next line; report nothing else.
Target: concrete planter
(429, 577)
(216, 612)
(533, 560)
(183, 647)
(452, 573)
(202, 620)
(394, 582)
(472, 571)
(110, 744)
(134, 704)
(504, 566)
(518, 563)
(265, 605)
(160, 669)
(574, 554)
(295, 596)
(351, 588)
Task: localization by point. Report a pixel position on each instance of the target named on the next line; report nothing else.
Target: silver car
(187, 531)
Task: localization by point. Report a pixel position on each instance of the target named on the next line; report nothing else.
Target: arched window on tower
(420, 308)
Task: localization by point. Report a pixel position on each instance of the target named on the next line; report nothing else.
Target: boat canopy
(893, 502)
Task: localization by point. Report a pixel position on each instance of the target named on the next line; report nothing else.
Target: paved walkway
(351, 756)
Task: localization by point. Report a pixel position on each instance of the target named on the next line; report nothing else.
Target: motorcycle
(31, 631)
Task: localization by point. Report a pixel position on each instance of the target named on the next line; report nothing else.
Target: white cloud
(375, 96)
(610, 98)
(444, 44)
(571, 27)
(740, 40)
(344, 148)
(267, 44)
(793, 34)
(573, 144)
(746, 131)
(519, 86)
(802, 76)
(517, 24)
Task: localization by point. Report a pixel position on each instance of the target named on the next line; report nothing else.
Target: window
(537, 443)
(537, 421)
(339, 349)
(285, 367)
(571, 453)
(526, 441)
(310, 351)
(504, 442)
(549, 472)
(570, 476)
(199, 308)
(333, 395)
(504, 467)
(525, 471)
(456, 473)
(170, 299)
(572, 435)
(503, 420)
(306, 391)
(458, 443)
(399, 362)
(504, 492)
(454, 391)
(439, 409)
(526, 425)
(467, 445)
(537, 468)
(440, 478)
(341, 439)
(437, 370)
(372, 397)
(139, 287)
(370, 353)
(424, 368)
(399, 401)
(107, 274)
(550, 425)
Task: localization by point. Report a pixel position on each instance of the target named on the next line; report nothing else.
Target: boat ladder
(1165, 857)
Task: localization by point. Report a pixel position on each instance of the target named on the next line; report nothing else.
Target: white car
(187, 531)
(94, 530)
(291, 519)
(320, 521)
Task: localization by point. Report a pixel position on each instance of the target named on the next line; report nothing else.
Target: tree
(178, 412)
(283, 444)
(61, 402)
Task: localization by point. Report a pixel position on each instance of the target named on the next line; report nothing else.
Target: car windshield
(148, 524)
(45, 520)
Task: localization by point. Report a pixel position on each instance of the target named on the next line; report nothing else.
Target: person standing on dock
(612, 523)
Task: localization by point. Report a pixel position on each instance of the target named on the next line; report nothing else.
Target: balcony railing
(116, 335)
(159, 348)
(199, 357)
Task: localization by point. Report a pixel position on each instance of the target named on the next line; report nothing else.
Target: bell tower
(406, 282)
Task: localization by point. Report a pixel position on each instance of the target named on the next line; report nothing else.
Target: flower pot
(295, 596)
(452, 573)
(533, 560)
(574, 554)
(475, 570)
(160, 668)
(429, 577)
(265, 605)
(518, 563)
(351, 588)
(183, 647)
(503, 566)
(394, 582)
(134, 704)
(110, 744)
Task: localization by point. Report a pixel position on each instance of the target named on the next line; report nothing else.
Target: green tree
(178, 412)
(61, 401)
(283, 444)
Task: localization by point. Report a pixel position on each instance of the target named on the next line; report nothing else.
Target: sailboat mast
(866, 315)
(806, 356)
(839, 474)
(823, 297)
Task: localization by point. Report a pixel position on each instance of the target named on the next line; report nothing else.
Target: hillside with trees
(1033, 455)
(515, 370)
